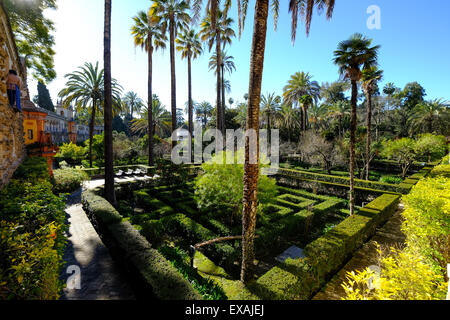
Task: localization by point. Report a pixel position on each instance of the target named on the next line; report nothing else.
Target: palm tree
(110, 194)
(270, 108)
(251, 168)
(227, 64)
(430, 114)
(132, 103)
(339, 110)
(161, 120)
(317, 114)
(216, 29)
(85, 90)
(203, 112)
(370, 77)
(148, 35)
(172, 16)
(288, 119)
(241, 117)
(190, 47)
(350, 56)
(301, 90)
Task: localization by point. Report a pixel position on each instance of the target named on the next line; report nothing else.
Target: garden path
(90, 273)
(389, 235)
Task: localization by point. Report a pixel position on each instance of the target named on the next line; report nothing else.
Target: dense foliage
(68, 180)
(32, 226)
(418, 272)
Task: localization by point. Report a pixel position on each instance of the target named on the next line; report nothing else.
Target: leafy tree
(334, 92)
(340, 110)
(219, 188)
(350, 56)
(172, 16)
(43, 98)
(412, 95)
(431, 147)
(149, 35)
(403, 151)
(33, 35)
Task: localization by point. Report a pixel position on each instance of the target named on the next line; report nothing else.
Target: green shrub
(166, 282)
(391, 179)
(427, 220)
(32, 240)
(181, 261)
(99, 208)
(29, 263)
(32, 169)
(68, 180)
(71, 153)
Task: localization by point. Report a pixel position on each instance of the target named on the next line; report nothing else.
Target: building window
(30, 134)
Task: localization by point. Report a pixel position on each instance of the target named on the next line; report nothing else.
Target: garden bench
(119, 174)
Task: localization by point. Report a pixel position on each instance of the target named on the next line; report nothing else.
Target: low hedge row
(300, 278)
(343, 180)
(155, 271)
(192, 232)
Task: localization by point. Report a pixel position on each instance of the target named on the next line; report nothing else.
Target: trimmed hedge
(305, 175)
(156, 272)
(300, 278)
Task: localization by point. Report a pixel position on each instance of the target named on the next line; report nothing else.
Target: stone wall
(12, 149)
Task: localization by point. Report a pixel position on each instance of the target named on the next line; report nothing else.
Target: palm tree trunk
(369, 133)
(352, 146)
(150, 103)
(223, 98)
(91, 131)
(173, 78)
(190, 106)
(219, 86)
(109, 161)
(251, 169)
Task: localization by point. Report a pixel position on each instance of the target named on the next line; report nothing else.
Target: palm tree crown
(189, 44)
(147, 33)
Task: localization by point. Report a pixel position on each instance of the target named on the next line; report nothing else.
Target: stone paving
(90, 272)
(389, 235)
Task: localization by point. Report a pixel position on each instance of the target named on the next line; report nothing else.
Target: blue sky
(414, 39)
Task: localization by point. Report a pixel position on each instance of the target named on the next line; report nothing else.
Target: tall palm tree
(350, 56)
(270, 108)
(220, 33)
(148, 35)
(430, 114)
(339, 110)
(188, 43)
(302, 91)
(370, 78)
(227, 64)
(203, 112)
(251, 168)
(172, 16)
(288, 119)
(110, 194)
(317, 115)
(132, 103)
(161, 120)
(85, 89)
